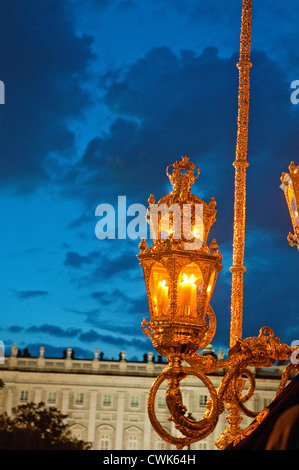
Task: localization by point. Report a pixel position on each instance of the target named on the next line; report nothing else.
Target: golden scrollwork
(191, 429)
(179, 281)
(260, 351)
(290, 186)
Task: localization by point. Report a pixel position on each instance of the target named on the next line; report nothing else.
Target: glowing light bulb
(195, 234)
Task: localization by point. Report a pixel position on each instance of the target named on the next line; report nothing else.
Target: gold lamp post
(290, 186)
(180, 271)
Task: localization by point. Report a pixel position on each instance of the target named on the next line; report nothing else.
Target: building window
(202, 445)
(106, 400)
(105, 442)
(133, 437)
(78, 432)
(24, 395)
(132, 442)
(79, 398)
(203, 400)
(161, 402)
(134, 401)
(104, 437)
(161, 444)
(52, 397)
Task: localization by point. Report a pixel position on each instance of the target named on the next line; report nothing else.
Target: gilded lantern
(180, 270)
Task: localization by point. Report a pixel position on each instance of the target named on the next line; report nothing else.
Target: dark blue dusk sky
(100, 96)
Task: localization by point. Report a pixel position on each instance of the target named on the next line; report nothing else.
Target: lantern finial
(182, 176)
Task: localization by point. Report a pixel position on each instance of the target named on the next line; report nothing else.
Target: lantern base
(174, 338)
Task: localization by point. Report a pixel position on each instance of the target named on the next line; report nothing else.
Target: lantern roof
(182, 175)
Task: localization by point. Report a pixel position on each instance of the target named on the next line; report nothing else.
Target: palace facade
(106, 400)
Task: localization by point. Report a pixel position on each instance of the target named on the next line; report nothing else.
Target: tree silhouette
(37, 427)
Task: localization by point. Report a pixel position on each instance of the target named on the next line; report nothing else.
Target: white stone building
(106, 400)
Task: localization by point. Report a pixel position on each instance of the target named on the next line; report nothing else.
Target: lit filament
(187, 294)
(163, 284)
(186, 280)
(195, 234)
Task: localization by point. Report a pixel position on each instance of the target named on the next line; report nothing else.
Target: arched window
(78, 432)
(104, 435)
(133, 438)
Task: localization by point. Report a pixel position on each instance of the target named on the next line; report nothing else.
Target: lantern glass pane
(159, 290)
(295, 210)
(190, 283)
(210, 287)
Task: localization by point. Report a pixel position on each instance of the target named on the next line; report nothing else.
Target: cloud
(76, 260)
(121, 341)
(114, 297)
(15, 329)
(126, 338)
(57, 351)
(44, 67)
(53, 330)
(30, 294)
(106, 265)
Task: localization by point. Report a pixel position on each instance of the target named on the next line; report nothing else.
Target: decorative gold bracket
(261, 351)
(293, 240)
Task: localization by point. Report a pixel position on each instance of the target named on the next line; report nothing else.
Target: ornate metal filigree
(290, 186)
(261, 351)
(178, 334)
(179, 329)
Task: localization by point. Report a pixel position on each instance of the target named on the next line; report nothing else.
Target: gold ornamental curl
(193, 430)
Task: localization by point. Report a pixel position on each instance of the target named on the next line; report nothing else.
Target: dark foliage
(37, 427)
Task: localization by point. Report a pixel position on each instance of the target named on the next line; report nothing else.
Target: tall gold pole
(234, 419)
(241, 165)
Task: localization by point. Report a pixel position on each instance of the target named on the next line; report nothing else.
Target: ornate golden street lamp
(180, 271)
(290, 186)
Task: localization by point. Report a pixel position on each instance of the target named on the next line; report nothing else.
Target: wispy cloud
(55, 331)
(30, 294)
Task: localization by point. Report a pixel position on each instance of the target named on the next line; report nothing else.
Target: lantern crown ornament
(182, 176)
(290, 186)
(180, 218)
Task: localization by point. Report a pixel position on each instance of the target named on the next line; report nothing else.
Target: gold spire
(240, 165)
